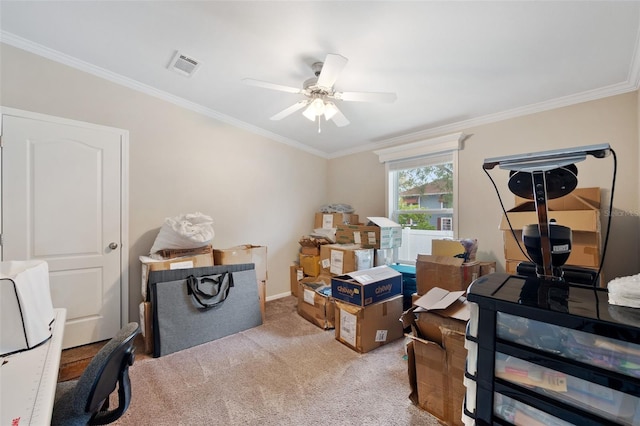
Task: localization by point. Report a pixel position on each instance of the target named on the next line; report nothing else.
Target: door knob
(113, 246)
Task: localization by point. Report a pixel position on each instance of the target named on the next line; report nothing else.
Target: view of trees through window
(425, 197)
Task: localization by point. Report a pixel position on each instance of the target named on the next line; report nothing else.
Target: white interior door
(61, 202)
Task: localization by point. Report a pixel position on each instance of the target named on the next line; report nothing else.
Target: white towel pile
(625, 291)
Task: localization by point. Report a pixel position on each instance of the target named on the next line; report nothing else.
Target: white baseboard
(278, 296)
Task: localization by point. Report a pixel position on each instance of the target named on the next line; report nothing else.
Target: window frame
(415, 155)
(393, 212)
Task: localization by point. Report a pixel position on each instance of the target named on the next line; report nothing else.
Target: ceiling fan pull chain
(319, 130)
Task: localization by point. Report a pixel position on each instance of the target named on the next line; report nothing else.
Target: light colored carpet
(285, 372)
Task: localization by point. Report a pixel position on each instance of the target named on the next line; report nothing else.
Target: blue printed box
(367, 286)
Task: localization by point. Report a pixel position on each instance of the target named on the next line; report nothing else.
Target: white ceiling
(451, 63)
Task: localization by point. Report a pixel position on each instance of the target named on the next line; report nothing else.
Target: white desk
(28, 380)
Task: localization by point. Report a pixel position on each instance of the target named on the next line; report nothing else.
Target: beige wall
(359, 180)
(613, 120)
(258, 191)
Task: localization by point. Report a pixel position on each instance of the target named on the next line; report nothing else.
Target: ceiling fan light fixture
(310, 112)
(316, 108)
(330, 110)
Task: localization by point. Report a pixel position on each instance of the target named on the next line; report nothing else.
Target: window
(446, 224)
(421, 192)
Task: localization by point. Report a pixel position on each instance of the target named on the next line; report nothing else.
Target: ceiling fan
(320, 93)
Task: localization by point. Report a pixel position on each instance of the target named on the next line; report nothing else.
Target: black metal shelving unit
(583, 353)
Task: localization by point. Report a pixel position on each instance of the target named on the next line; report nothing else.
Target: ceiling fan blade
(267, 85)
(290, 110)
(339, 119)
(331, 69)
(366, 96)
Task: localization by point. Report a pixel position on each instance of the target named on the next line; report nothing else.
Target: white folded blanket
(625, 291)
(191, 230)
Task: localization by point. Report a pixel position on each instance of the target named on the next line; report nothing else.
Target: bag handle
(222, 283)
(216, 280)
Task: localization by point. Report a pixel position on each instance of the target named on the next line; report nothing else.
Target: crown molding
(437, 145)
(56, 56)
(591, 95)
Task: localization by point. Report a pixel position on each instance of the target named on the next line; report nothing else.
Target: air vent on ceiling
(183, 64)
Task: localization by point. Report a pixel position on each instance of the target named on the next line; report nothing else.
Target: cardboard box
(314, 303)
(579, 210)
(466, 248)
(310, 264)
(311, 244)
(262, 294)
(368, 286)
(511, 266)
(379, 233)
(427, 376)
(456, 354)
(310, 251)
(449, 248)
(364, 329)
(435, 378)
(339, 259)
(487, 268)
(585, 248)
(440, 309)
(578, 199)
(149, 264)
(197, 261)
(295, 274)
(437, 355)
(247, 253)
(577, 220)
(332, 220)
(146, 328)
(172, 253)
(450, 273)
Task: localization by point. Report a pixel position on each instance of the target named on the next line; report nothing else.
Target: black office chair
(86, 400)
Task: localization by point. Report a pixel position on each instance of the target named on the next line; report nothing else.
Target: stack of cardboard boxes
(438, 320)
(310, 247)
(437, 354)
(364, 304)
(348, 245)
(368, 307)
(325, 266)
